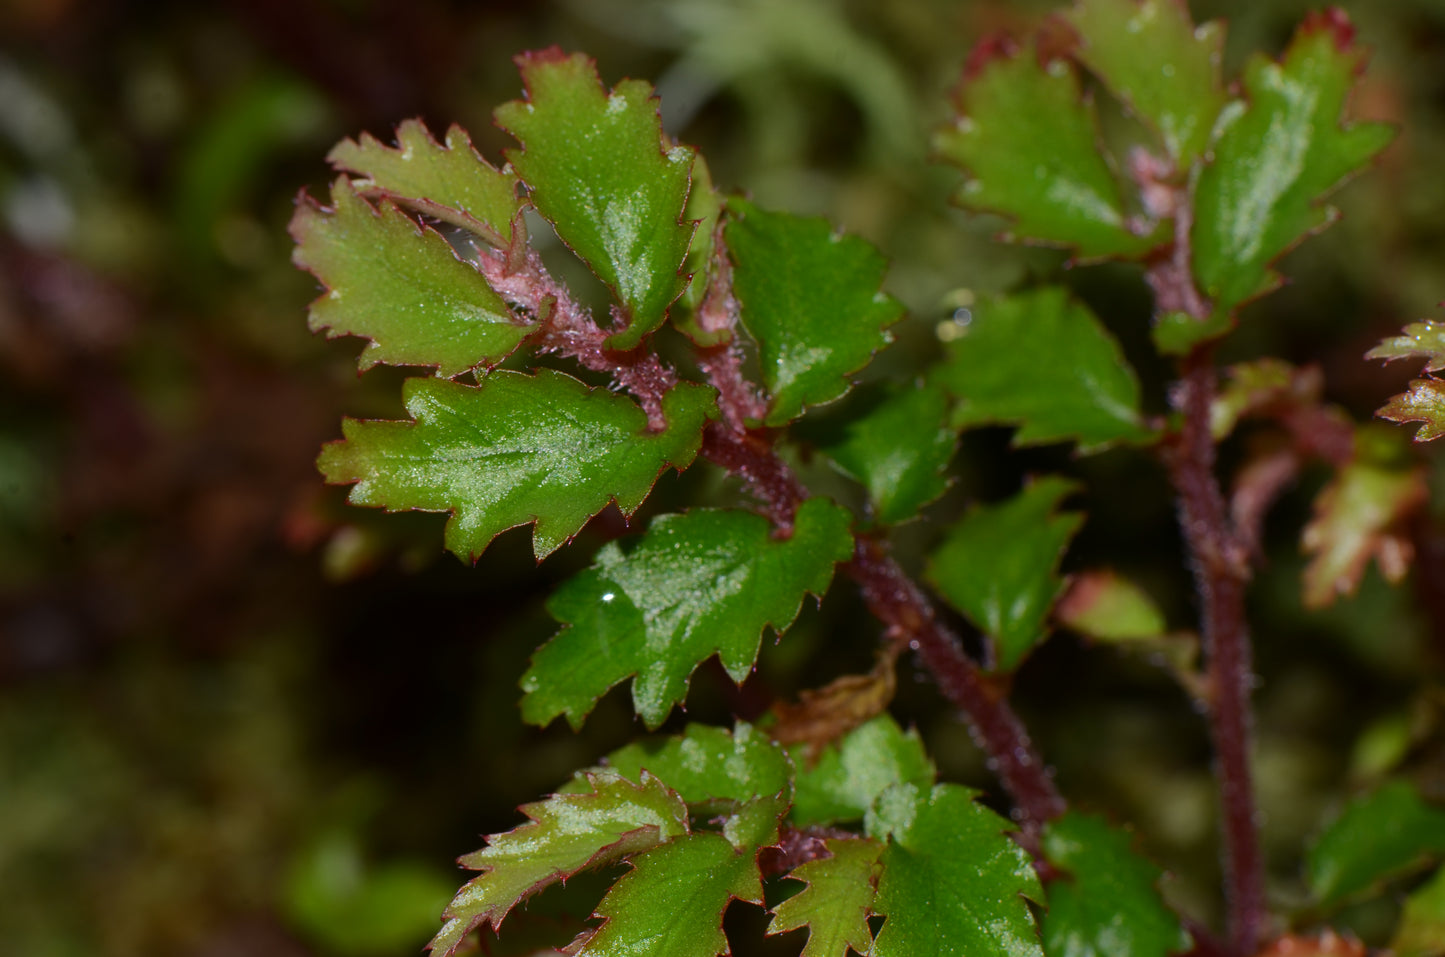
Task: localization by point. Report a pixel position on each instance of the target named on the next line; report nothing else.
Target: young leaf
(1107, 905)
(1251, 387)
(1029, 143)
(1157, 62)
(600, 172)
(1425, 402)
(1377, 837)
(899, 451)
(710, 764)
(672, 902)
(1043, 361)
(837, 901)
(953, 883)
(1277, 153)
(1421, 931)
(451, 182)
(849, 776)
(1419, 340)
(999, 566)
(401, 286)
(568, 833)
(1358, 516)
(811, 299)
(693, 585)
(1106, 607)
(515, 449)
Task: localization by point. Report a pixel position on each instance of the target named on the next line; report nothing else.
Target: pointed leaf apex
(1334, 21)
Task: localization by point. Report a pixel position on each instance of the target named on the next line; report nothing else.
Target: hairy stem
(1220, 563)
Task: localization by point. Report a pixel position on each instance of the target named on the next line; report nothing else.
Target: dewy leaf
(1165, 69)
(1379, 836)
(899, 450)
(1425, 402)
(837, 901)
(1276, 155)
(568, 833)
(811, 299)
(695, 584)
(671, 904)
(1029, 143)
(1359, 516)
(954, 884)
(849, 776)
(451, 182)
(1421, 931)
(1107, 905)
(600, 172)
(999, 566)
(401, 286)
(710, 764)
(515, 449)
(1419, 340)
(1043, 361)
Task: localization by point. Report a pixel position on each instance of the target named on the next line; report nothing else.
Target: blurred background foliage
(237, 718)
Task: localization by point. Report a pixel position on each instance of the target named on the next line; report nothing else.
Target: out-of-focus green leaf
(999, 566)
(1109, 608)
(1421, 931)
(1424, 403)
(710, 764)
(1176, 333)
(1277, 153)
(850, 775)
(811, 299)
(1249, 387)
(952, 882)
(899, 450)
(600, 172)
(515, 449)
(1379, 836)
(1107, 905)
(567, 833)
(1029, 144)
(1043, 361)
(704, 582)
(1159, 63)
(1419, 340)
(1359, 516)
(400, 286)
(837, 901)
(451, 182)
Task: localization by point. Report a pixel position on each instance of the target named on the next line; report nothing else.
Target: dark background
(238, 718)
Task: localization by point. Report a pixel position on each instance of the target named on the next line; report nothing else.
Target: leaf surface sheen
(1379, 836)
(999, 566)
(513, 450)
(1423, 403)
(812, 300)
(1109, 904)
(952, 881)
(400, 286)
(695, 584)
(1028, 141)
(1044, 362)
(705, 763)
(450, 182)
(601, 173)
(837, 901)
(1276, 154)
(851, 774)
(1418, 340)
(567, 833)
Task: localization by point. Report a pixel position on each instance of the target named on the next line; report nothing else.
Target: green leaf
(656, 607)
(1425, 402)
(837, 901)
(999, 566)
(1029, 143)
(1421, 931)
(899, 450)
(954, 884)
(1176, 333)
(811, 299)
(1379, 836)
(710, 764)
(401, 286)
(1250, 387)
(1108, 905)
(515, 449)
(671, 904)
(1277, 153)
(1358, 516)
(1109, 608)
(1043, 361)
(850, 775)
(601, 173)
(704, 206)
(451, 182)
(1165, 69)
(568, 833)
(1419, 340)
